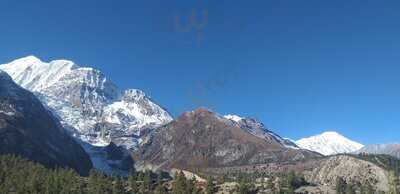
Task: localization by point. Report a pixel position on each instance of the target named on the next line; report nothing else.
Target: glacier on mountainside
(92, 108)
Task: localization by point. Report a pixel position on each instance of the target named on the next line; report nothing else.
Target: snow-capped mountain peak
(90, 106)
(83, 97)
(329, 143)
(33, 74)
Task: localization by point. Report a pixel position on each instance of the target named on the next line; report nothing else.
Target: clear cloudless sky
(299, 66)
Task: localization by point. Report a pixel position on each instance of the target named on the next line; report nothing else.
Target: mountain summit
(329, 143)
(202, 139)
(91, 107)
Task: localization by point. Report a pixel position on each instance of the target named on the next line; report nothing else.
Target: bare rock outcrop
(353, 171)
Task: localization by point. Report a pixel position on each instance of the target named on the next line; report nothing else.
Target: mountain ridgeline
(388, 149)
(202, 139)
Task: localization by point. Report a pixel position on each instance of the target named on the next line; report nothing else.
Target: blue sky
(300, 66)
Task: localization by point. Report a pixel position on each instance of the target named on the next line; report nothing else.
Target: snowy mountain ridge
(84, 99)
(392, 149)
(258, 129)
(35, 75)
(87, 103)
(329, 143)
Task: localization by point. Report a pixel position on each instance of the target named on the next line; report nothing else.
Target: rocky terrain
(28, 129)
(203, 139)
(353, 170)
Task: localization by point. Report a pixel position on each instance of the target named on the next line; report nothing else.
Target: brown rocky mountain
(28, 129)
(202, 139)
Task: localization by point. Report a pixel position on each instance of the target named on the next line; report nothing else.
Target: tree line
(21, 176)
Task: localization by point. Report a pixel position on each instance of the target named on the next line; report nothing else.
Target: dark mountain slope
(30, 130)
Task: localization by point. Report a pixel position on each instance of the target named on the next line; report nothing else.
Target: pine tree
(211, 188)
(394, 182)
(340, 185)
(93, 182)
(147, 180)
(243, 187)
(349, 189)
(160, 189)
(118, 187)
(142, 189)
(190, 185)
(196, 190)
(132, 179)
(99, 183)
(179, 184)
(133, 174)
(290, 182)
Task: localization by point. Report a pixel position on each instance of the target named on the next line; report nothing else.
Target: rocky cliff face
(28, 129)
(203, 139)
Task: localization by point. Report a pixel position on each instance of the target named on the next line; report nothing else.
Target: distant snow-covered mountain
(388, 149)
(329, 143)
(88, 104)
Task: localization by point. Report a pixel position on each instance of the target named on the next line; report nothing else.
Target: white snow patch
(233, 117)
(7, 113)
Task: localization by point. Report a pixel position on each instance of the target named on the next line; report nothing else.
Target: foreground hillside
(18, 175)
